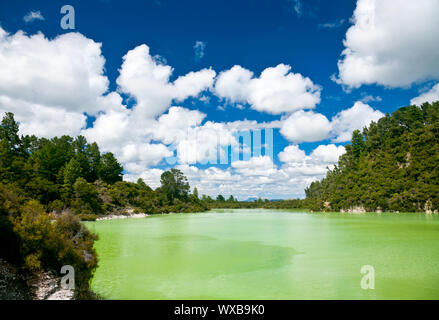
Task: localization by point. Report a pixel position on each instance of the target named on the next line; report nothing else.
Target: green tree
(358, 144)
(110, 170)
(220, 198)
(195, 193)
(86, 198)
(94, 159)
(9, 132)
(174, 184)
(71, 172)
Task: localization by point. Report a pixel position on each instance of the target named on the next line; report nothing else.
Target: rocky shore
(17, 285)
(122, 216)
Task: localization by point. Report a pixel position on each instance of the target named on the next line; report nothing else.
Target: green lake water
(267, 254)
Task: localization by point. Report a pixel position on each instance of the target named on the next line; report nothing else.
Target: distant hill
(393, 165)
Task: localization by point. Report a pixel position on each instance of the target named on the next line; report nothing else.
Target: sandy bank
(122, 216)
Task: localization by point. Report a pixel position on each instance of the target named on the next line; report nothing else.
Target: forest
(392, 165)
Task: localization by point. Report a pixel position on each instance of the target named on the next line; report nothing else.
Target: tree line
(391, 165)
(47, 186)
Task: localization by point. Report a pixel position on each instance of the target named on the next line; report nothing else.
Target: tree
(174, 184)
(220, 198)
(358, 144)
(93, 157)
(110, 170)
(392, 165)
(86, 198)
(70, 173)
(195, 193)
(52, 155)
(9, 132)
(231, 199)
(141, 183)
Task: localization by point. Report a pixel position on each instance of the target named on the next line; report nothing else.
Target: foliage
(174, 184)
(48, 185)
(392, 165)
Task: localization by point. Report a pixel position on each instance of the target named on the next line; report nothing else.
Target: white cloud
(150, 176)
(202, 144)
(430, 96)
(276, 91)
(199, 49)
(32, 16)
(147, 79)
(174, 125)
(41, 120)
(191, 84)
(392, 43)
(295, 7)
(306, 126)
(369, 98)
(144, 155)
(260, 177)
(332, 25)
(233, 84)
(327, 153)
(292, 154)
(357, 117)
(64, 77)
(256, 166)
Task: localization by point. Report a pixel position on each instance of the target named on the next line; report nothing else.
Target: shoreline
(122, 216)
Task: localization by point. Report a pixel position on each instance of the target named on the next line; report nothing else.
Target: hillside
(392, 165)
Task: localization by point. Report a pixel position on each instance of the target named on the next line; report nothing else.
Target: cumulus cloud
(292, 154)
(147, 79)
(306, 126)
(256, 166)
(391, 43)
(151, 176)
(275, 91)
(63, 77)
(233, 84)
(431, 95)
(259, 176)
(357, 117)
(327, 153)
(32, 16)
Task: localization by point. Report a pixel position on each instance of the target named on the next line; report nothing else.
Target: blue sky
(189, 36)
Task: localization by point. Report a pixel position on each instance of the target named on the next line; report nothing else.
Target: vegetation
(392, 165)
(48, 185)
(232, 203)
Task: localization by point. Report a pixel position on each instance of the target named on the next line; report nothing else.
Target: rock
(428, 206)
(115, 216)
(358, 209)
(48, 287)
(13, 284)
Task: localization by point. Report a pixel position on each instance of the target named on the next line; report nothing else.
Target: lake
(267, 254)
